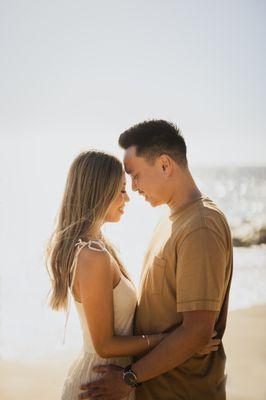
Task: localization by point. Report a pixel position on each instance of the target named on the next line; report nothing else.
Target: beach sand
(245, 346)
(244, 342)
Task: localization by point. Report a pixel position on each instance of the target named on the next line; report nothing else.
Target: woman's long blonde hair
(94, 180)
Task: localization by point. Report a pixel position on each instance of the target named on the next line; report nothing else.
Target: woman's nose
(126, 197)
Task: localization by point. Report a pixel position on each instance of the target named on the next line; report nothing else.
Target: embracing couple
(165, 342)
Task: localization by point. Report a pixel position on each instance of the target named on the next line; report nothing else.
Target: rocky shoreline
(249, 237)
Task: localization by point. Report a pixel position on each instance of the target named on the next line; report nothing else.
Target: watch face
(130, 378)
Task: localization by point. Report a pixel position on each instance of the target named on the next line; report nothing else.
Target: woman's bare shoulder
(94, 260)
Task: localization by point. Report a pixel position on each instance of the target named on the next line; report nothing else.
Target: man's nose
(134, 187)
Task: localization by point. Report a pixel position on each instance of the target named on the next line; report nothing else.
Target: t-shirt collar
(179, 210)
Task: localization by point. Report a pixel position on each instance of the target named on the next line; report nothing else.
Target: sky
(80, 72)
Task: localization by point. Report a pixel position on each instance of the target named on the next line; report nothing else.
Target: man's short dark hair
(154, 138)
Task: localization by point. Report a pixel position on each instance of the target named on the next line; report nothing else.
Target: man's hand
(110, 387)
(213, 345)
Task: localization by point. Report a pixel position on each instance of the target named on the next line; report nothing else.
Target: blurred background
(74, 75)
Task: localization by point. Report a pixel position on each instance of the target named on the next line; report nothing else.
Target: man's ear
(166, 164)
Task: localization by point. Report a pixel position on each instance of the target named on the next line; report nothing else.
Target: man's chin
(154, 203)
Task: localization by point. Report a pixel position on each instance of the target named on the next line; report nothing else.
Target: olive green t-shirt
(188, 266)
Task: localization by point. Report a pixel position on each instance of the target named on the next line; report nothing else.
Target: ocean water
(30, 330)
(241, 194)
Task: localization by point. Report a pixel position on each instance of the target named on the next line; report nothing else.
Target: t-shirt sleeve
(200, 272)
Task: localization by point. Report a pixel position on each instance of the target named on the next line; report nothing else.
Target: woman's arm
(94, 280)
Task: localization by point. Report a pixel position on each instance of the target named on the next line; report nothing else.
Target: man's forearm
(179, 346)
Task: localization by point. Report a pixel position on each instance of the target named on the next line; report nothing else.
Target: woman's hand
(213, 345)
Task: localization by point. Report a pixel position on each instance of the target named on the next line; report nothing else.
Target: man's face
(147, 179)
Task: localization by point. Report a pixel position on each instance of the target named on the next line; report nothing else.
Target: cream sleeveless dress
(125, 300)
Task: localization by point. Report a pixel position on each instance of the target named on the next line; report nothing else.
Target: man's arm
(194, 333)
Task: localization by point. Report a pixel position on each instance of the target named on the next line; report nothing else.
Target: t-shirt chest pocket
(156, 275)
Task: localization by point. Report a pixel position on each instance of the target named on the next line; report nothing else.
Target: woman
(82, 262)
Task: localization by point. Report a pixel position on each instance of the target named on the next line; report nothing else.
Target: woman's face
(117, 206)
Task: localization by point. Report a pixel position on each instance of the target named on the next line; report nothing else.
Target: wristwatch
(130, 378)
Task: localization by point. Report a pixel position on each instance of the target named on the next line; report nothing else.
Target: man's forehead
(130, 159)
(128, 167)
(130, 152)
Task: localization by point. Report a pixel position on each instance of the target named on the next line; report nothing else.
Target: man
(185, 278)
